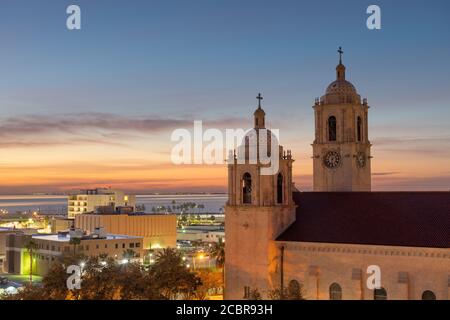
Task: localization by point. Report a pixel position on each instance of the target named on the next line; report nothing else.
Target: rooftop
(412, 219)
(60, 238)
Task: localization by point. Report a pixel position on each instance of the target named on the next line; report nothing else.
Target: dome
(340, 90)
(341, 86)
(255, 143)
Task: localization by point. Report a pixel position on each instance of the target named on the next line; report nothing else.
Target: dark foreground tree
(172, 278)
(103, 278)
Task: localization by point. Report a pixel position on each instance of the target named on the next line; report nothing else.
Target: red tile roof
(413, 219)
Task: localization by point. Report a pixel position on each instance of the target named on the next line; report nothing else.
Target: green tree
(31, 247)
(102, 279)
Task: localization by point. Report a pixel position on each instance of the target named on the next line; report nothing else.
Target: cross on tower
(259, 97)
(340, 54)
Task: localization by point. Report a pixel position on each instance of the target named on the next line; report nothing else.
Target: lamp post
(150, 260)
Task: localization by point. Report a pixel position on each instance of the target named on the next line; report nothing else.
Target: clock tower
(341, 148)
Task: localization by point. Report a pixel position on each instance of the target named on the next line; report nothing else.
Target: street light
(200, 256)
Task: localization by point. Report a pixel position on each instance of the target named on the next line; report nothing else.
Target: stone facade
(406, 272)
(341, 148)
(259, 208)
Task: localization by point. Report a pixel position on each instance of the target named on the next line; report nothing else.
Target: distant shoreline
(137, 194)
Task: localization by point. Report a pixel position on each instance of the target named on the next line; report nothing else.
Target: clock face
(361, 159)
(331, 159)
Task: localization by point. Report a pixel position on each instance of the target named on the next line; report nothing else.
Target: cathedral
(325, 244)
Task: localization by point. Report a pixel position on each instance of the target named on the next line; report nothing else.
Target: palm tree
(31, 246)
(75, 242)
(218, 252)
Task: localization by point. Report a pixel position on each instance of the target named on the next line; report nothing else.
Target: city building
(157, 230)
(326, 244)
(50, 247)
(58, 224)
(207, 234)
(4, 232)
(90, 200)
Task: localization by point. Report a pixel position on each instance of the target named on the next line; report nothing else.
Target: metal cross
(259, 97)
(340, 54)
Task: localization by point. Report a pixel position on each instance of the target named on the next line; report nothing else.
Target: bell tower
(260, 206)
(341, 148)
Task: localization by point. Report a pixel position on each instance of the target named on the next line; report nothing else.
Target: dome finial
(341, 52)
(340, 69)
(259, 97)
(259, 114)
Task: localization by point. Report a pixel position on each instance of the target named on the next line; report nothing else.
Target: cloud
(91, 128)
(429, 183)
(384, 173)
(70, 123)
(438, 146)
(50, 143)
(382, 141)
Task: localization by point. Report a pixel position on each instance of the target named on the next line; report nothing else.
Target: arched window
(294, 290)
(428, 295)
(247, 188)
(380, 294)
(359, 129)
(280, 188)
(335, 291)
(332, 128)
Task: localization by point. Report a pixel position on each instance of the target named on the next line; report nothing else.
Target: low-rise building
(92, 199)
(157, 230)
(50, 247)
(201, 234)
(4, 232)
(58, 224)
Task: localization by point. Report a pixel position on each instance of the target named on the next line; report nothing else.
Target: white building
(201, 234)
(90, 200)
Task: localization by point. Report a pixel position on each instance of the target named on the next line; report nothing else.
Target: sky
(97, 106)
